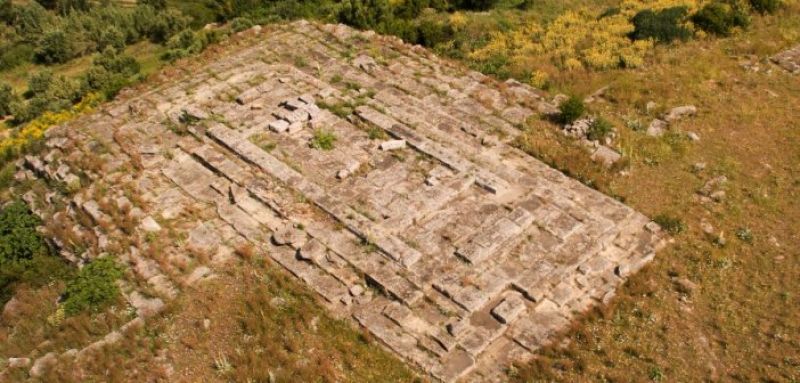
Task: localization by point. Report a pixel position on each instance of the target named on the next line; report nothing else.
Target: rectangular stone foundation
(458, 252)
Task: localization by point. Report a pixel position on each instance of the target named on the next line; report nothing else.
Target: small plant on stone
(599, 129)
(671, 225)
(323, 140)
(571, 110)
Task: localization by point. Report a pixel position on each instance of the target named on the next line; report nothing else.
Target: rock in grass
(657, 128)
(680, 112)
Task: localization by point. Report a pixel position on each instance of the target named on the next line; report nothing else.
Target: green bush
(475, 5)
(30, 20)
(39, 83)
(241, 23)
(111, 36)
(571, 110)
(670, 224)
(720, 18)
(158, 26)
(7, 97)
(6, 11)
(15, 55)
(46, 93)
(54, 48)
(94, 288)
(156, 4)
(599, 129)
(765, 6)
(19, 239)
(663, 26)
(24, 255)
(110, 72)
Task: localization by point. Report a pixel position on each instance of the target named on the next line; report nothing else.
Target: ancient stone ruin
(378, 174)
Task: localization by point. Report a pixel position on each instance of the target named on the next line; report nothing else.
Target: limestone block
(392, 145)
(509, 308)
(278, 126)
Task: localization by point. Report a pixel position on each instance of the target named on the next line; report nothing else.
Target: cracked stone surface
(422, 223)
(789, 60)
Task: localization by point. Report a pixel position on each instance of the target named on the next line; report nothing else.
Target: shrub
(158, 26)
(46, 93)
(720, 18)
(111, 36)
(6, 11)
(323, 140)
(7, 97)
(24, 255)
(475, 5)
(54, 48)
(30, 19)
(571, 110)
(599, 129)
(765, 6)
(94, 288)
(431, 33)
(663, 26)
(110, 72)
(19, 239)
(671, 225)
(15, 55)
(39, 83)
(156, 4)
(241, 23)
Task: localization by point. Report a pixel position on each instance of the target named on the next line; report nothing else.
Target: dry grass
(260, 322)
(741, 322)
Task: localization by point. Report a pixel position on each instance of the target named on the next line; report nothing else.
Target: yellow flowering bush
(574, 40)
(580, 39)
(35, 129)
(458, 21)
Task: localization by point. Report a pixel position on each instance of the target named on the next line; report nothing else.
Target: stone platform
(458, 252)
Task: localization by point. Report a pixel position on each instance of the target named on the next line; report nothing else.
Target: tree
(6, 11)
(156, 4)
(110, 72)
(30, 20)
(54, 48)
(720, 18)
(664, 26)
(7, 97)
(39, 83)
(476, 5)
(66, 6)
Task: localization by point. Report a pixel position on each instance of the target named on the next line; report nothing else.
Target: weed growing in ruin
(599, 129)
(323, 140)
(375, 133)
